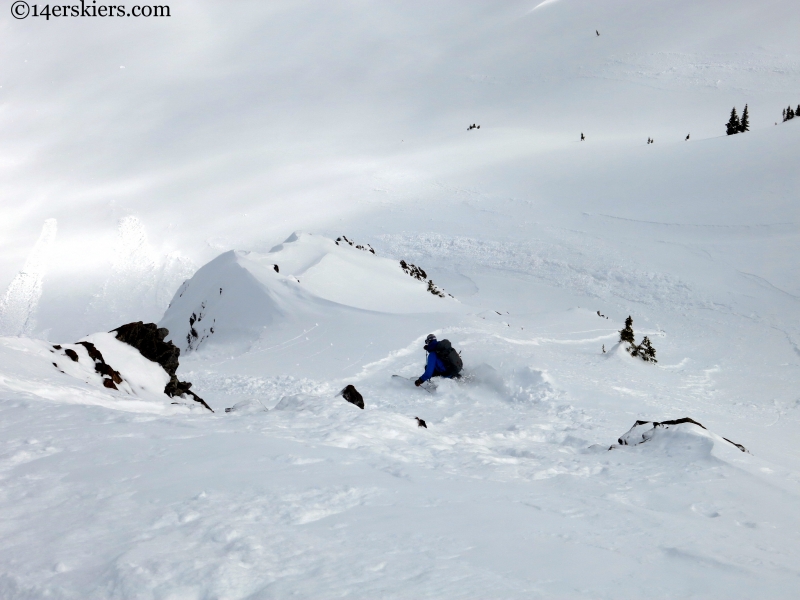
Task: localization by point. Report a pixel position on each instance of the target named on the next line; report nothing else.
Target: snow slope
(230, 128)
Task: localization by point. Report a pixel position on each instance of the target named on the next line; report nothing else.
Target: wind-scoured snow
(176, 181)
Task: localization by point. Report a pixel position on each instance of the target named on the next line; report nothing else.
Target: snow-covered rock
(132, 361)
(672, 433)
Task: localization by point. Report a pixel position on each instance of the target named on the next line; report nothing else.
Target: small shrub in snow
(645, 350)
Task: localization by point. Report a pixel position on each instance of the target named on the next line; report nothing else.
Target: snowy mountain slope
(506, 493)
(391, 83)
(230, 127)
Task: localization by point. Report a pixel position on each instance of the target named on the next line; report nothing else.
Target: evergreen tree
(745, 124)
(797, 112)
(789, 114)
(626, 335)
(646, 350)
(733, 123)
(784, 115)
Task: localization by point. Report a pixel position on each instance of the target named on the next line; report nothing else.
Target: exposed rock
(366, 248)
(110, 377)
(94, 353)
(413, 270)
(71, 353)
(148, 339)
(350, 393)
(107, 371)
(419, 274)
(421, 423)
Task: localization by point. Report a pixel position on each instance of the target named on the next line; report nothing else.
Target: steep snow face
(241, 296)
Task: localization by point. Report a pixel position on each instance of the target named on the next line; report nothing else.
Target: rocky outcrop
(148, 339)
(419, 274)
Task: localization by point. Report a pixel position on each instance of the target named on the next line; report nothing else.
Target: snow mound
(679, 432)
(233, 298)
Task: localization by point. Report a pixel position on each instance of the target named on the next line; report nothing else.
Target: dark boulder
(148, 339)
(421, 422)
(350, 393)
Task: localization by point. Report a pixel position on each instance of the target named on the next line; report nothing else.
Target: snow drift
(665, 433)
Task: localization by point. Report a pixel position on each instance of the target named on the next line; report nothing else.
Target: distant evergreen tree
(797, 112)
(788, 114)
(626, 335)
(646, 350)
(784, 115)
(733, 123)
(745, 124)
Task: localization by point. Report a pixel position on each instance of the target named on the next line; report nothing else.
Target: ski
(428, 386)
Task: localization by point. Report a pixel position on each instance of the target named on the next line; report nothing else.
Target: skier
(687, 137)
(442, 361)
(597, 32)
(583, 137)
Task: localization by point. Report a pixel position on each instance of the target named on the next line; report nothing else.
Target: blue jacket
(434, 366)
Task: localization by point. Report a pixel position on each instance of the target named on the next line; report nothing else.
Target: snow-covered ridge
(307, 278)
(117, 369)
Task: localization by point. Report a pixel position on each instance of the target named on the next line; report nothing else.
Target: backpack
(447, 354)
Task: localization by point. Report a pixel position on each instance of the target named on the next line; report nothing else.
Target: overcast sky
(232, 122)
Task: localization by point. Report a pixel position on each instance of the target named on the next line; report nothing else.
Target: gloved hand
(418, 382)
